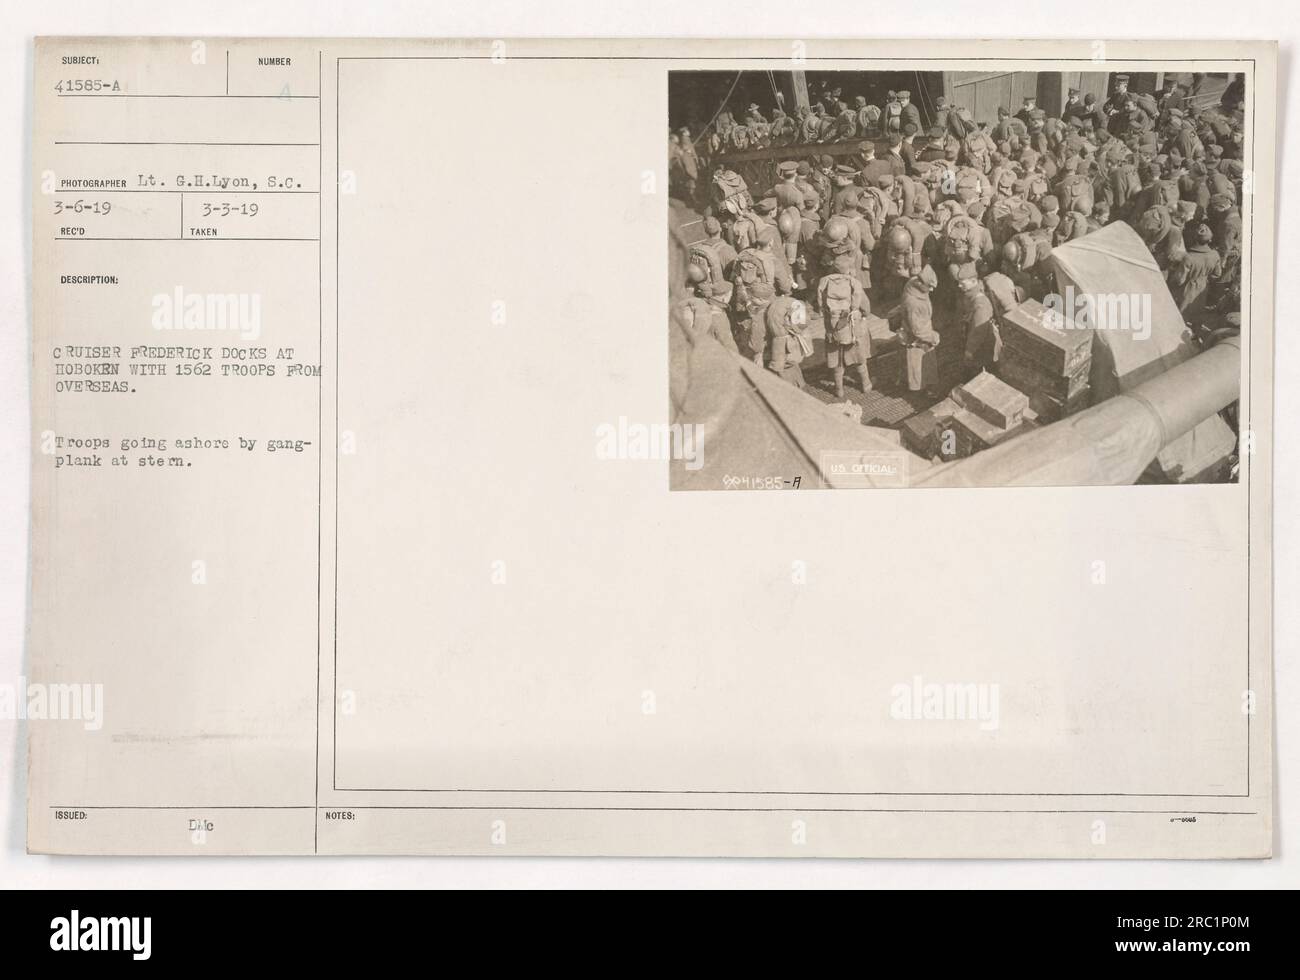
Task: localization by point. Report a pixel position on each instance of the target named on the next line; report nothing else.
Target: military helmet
(787, 224)
(1153, 224)
(837, 229)
(900, 238)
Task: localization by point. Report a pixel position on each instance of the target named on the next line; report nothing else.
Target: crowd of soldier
(953, 225)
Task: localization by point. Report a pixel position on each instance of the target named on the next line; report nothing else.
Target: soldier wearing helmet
(757, 279)
(721, 247)
(838, 238)
(1190, 276)
(844, 305)
(809, 235)
(701, 315)
(1165, 241)
(1015, 268)
(859, 233)
(1009, 130)
(786, 320)
(821, 181)
(976, 320)
(913, 320)
(766, 212)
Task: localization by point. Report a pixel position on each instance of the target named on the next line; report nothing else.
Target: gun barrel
(1112, 442)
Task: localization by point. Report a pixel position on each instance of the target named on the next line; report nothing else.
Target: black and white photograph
(970, 267)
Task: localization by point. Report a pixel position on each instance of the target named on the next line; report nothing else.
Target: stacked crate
(923, 432)
(990, 412)
(1048, 357)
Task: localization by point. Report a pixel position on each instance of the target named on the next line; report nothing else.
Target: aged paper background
(473, 702)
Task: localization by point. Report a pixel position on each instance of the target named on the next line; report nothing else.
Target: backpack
(753, 279)
(1220, 125)
(1075, 194)
(874, 204)
(743, 222)
(1034, 186)
(790, 223)
(944, 213)
(1219, 184)
(970, 185)
(739, 138)
(1073, 225)
(868, 119)
(1124, 183)
(1016, 215)
(1006, 183)
(730, 191)
(917, 232)
(703, 255)
(839, 306)
(961, 239)
(1003, 293)
(794, 322)
(750, 269)
(976, 153)
(961, 123)
(1034, 247)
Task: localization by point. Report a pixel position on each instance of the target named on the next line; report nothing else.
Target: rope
(725, 99)
(924, 97)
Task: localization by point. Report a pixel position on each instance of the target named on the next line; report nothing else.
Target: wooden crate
(992, 399)
(1051, 409)
(1020, 372)
(923, 432)
(1044, 337)
(975, 433)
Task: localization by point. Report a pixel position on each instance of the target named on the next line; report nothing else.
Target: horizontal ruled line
(653, 809)
(776, 792)
(201, 806)
(125, 95)
(83, 238)
(787, 809)
(170, 190)
(167, 143)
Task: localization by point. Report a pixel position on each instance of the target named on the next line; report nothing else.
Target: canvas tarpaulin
(1114, 268)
